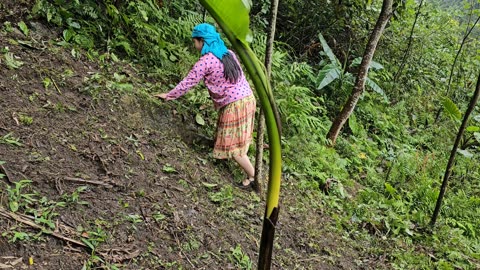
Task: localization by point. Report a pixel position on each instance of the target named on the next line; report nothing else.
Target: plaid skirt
(234, 128)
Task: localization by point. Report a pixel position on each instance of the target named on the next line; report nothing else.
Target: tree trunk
(448, 170)
(269, 224)
(259, 183)
(359, 87)
(261, 116)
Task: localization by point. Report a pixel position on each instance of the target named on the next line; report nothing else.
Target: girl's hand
(162, 96)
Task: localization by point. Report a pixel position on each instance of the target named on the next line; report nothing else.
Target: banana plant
(233, 17)
(334, 71)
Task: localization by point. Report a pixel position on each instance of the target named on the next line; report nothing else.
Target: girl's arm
(196, 74)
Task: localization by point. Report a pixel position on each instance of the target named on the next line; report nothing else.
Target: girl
(231, 95)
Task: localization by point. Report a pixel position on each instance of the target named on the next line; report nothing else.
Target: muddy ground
(133, 180)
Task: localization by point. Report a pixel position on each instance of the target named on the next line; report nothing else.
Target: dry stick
(316, 258)
(56, 86)
(119, 258)
(181, 250)
(80, 180)
(16, 217)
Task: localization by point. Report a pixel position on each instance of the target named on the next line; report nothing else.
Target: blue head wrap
(212, 43)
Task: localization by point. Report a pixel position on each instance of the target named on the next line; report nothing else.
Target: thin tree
(261, 116)
(359, 87)
(458, 53)
(268, 232)
(410, 41)
(448, 170)
(464, 40)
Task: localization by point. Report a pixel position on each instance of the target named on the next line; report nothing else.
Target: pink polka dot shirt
(222, 92)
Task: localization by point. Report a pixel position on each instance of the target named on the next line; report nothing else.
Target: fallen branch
(119, 255)
(11, 264)
(56, 86)
(18, 218)
(94, 182)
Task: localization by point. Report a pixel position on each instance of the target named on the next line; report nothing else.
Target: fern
(301, 71)
(188, 22)
(89, 12)
(296, 104)
(137, 29)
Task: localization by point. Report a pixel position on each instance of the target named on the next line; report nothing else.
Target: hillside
(124, 181)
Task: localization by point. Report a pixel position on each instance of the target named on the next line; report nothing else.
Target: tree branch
(16, 217)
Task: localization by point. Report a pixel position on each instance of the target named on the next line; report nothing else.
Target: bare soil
(149, 185)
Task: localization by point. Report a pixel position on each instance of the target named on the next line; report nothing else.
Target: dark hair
(231, 69)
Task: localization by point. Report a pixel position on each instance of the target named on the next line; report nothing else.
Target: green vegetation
(240, 259)
(10, 140)
(42, 209)
(380, 182)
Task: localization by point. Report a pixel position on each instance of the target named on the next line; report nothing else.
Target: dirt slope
(148, 196)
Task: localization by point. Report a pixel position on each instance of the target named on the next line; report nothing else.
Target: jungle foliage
(383, 177)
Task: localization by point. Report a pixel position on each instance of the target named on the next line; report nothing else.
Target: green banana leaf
(375, 87)
(373, 65)
(353, 124)
(328, 51)
(451, 108)
(233, 17)
(328, 74)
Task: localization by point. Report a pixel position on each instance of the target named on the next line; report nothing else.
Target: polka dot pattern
(210, 69)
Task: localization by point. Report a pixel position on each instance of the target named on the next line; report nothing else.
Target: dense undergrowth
(383, 176)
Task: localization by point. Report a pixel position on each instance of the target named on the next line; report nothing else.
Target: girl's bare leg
(247, 166)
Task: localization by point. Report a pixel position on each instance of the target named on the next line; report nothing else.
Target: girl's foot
(247, 183)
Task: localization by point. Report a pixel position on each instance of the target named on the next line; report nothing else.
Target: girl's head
(198, 43)
(207, 40)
